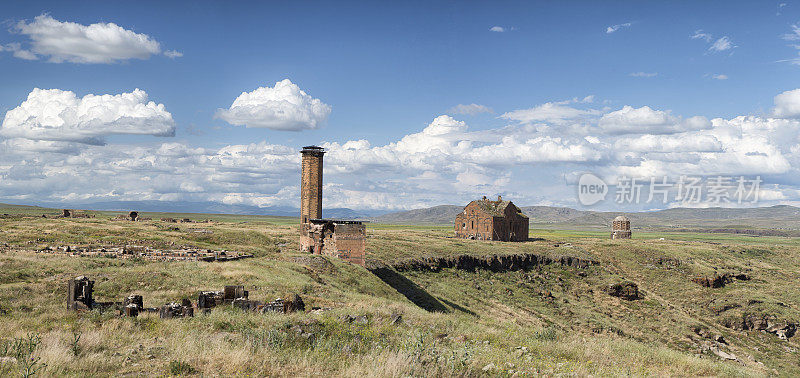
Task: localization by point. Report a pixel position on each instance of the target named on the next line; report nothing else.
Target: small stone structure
(79, 295)
(133, 215)
(337, 238)
(492, 220)
(68, 213)
(621, 228)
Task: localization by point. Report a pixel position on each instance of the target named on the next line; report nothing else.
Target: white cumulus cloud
(58, 115)
(470, 109)
(282, 107)
(554, 112)
(686, 142)
(644, 120)
(444, 162)
(497, 29)
(18, 51)
(72, 42)
(787, 104)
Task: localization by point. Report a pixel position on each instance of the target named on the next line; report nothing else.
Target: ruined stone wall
(501, 229)
(474, 224)
(621, 225)
(313, 237)
(460, 225)
(521, 230)
(346, 241)
(350, 242)
(516, 225)
(621, 234)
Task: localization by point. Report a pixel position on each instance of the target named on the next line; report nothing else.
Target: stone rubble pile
(141, 252)
(80, 290)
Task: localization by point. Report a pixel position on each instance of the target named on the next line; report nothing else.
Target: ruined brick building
(621, 228)
(338, 238)
(492, 220)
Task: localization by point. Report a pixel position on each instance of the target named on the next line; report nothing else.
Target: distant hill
(431, 215)
(197, 207)
(774, 217)
(780, 217)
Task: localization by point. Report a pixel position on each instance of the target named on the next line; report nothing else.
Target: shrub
(180, 368)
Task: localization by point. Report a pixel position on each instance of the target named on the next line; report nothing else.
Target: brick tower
(344, 239)
(311, 184)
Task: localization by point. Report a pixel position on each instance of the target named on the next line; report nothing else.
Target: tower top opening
(313, 150)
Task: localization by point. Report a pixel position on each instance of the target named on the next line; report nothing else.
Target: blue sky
(386, 71)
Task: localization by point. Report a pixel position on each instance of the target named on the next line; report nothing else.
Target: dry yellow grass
(579, 330)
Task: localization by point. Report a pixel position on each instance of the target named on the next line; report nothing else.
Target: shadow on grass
(457, 307)
(409, 289)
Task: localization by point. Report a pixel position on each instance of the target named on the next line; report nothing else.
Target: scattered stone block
(784, 331)
(134, 299)
(79, 295)
(274, 306)
(131, 310)
(625, 290)
(209, 299)
(232, 292)
(176, 310)
(242, 304)
(133, 249)
(718, 281)
(296, 304)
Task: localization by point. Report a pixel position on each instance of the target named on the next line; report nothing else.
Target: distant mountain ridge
(206, 207)
(779, 216)
(773, 217)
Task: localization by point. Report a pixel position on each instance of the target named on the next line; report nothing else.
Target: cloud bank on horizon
(557, 139)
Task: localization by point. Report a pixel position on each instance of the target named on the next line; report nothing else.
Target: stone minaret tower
(311, 184)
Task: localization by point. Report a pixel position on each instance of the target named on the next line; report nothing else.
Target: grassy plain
(550, 320)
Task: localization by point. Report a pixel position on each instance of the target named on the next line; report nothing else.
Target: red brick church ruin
(492, 220)
(338, 238)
